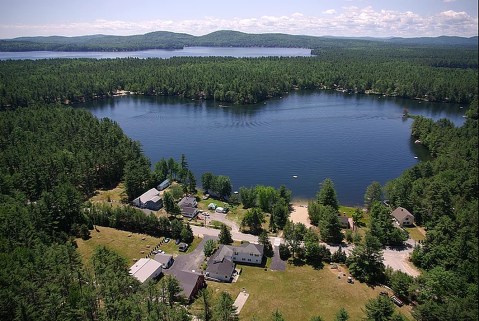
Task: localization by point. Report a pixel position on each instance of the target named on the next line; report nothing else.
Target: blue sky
(404, 18)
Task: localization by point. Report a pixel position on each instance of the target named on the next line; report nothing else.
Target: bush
(284, 252)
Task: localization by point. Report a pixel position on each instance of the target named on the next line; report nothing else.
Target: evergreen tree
(327, 194)
(225, 235)
(374, 193)
(342, 315)
(224, 309)
(264, 240)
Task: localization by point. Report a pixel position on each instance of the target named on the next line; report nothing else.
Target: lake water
(185, 52)
(352, 139)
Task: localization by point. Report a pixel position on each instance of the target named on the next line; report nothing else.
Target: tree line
(240, 80)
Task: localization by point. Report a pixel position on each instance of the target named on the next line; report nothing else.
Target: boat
(295, 176)
(417, 141)
(415, 157)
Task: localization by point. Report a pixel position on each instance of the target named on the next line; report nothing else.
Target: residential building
(403, 217)
(249, 253)
(220, 268)
(151, 200)
(190, 282)
(188, 206)
(166, 260)
(145, 269)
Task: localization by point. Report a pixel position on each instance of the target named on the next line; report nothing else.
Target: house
(403, 217)
(220, 265)
(163, 185)
(166, 260)
(150, 200)
(145, 269)
(248, 253)
(190, 282)
(343, 221)
(188, 206)
(189, 212)
(188, 201)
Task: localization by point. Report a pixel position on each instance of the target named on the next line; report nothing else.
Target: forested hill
(223, 38)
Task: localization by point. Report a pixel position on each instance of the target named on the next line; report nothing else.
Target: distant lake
(186, 52)
(352, 139)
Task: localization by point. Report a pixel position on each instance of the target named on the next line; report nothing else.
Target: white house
(248, 253)
(145, 269)
(150, 199)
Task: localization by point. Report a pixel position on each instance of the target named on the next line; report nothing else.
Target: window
(242, 259)
(249, 260)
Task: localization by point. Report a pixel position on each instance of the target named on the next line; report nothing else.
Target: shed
(211, 206)
(163, 185)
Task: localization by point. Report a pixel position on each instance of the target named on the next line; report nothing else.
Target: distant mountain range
(223, 38)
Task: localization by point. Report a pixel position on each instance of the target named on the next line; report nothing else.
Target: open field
(115, 196)
(129, 247)
(298, 293)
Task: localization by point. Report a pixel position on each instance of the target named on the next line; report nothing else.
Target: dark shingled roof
(187, 280)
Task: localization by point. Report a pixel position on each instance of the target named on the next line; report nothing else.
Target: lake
(352, 139)
(251, 52)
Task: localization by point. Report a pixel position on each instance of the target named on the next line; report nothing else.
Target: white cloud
(330, 11)
(349, 21)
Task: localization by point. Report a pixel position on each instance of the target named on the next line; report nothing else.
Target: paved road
(397, 258)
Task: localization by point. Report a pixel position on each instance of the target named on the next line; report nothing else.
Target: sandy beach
(300, 214)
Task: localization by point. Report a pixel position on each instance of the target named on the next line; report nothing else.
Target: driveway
(190, 261)
(276, 263)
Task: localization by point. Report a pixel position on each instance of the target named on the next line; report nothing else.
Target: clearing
(298, 293)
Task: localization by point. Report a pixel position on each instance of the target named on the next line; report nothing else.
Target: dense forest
(222, 38)
(435, 74)
(52, 158)
(443, 194)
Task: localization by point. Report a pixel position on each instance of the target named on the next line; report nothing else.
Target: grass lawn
(415, 233)
(298, 293)
(129, 247)
(115, 196)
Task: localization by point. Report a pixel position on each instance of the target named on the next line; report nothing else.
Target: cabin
(166, 260)
(163, 185)
(403, 217)
(145, 269)
(151, 200)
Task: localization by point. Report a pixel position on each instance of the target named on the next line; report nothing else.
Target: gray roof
(401, 213)
(187, 280)
(222, 267)
(224, 251)
(163, 258)
(187, 201)
(250, 248)
(189, 211)
(147, 196)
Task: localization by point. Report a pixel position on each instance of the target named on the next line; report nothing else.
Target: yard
(116, 195)
(298, 293)
(129, 247)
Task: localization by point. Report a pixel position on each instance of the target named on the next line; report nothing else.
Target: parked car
(167, 239)
(183, 247)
